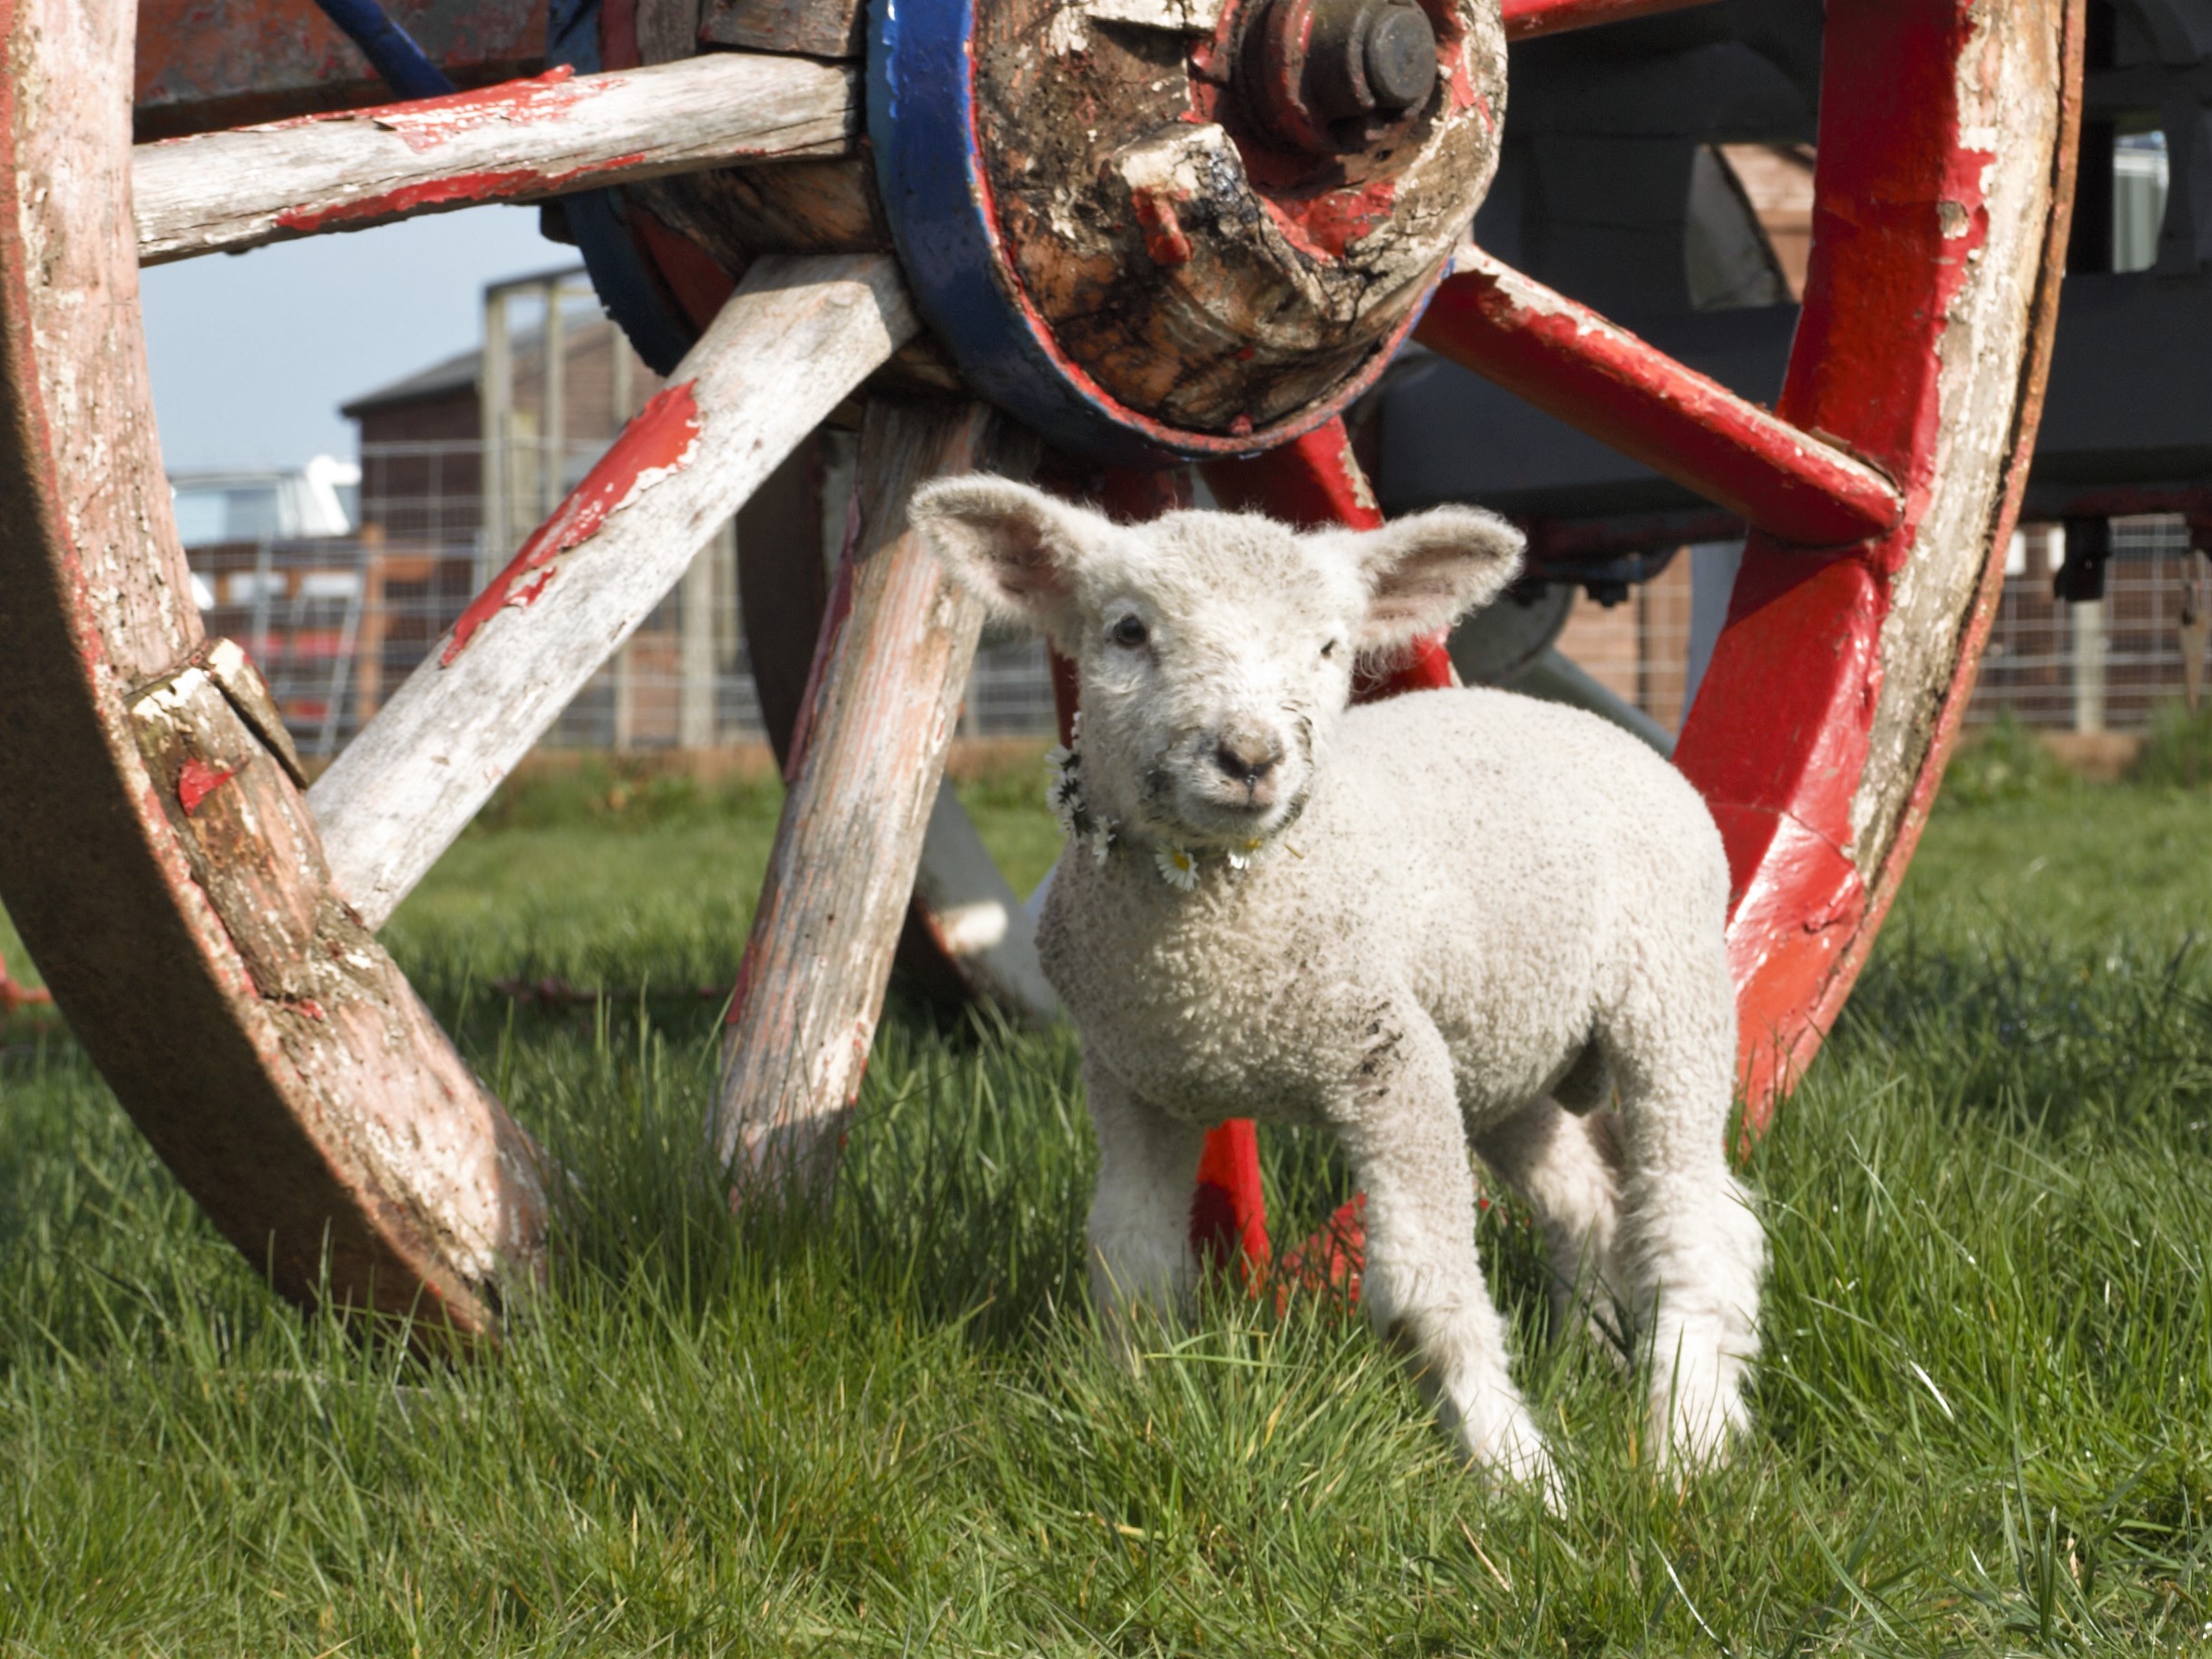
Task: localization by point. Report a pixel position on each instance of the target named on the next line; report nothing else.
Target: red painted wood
(206, 64)
(660, 439)
(1528, 18)
(1228, 1212)
(1571, 363)
(15, 994)
(1779, 739)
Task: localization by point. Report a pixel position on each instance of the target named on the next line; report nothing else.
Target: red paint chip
(197, 780)
(659, 443)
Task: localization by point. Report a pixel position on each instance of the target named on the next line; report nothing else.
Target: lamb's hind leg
(1690, 1243)
(1562, 1166)
(1401, 1129)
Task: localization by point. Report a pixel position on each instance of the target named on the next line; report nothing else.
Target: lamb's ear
(1014, 547)
(1425, 572)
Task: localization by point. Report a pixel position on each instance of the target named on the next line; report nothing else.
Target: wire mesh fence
(337, 623)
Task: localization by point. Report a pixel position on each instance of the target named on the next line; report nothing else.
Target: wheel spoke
(792, 343)
(896, 646)
(519, 142)
(1528, 18)
(1572, 362)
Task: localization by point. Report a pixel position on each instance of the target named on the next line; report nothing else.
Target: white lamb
(1448, 919)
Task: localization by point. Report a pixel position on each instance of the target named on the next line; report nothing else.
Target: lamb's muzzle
(1495, 903)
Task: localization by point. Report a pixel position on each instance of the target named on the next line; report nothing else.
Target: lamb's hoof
(1513, 1453)
(1691, 1437)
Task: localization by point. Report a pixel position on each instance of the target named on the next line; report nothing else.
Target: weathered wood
(1212, 275)
(968, 935)
(1948, 142)
(520, 142)
(825, 207)
(817, 28)
(793, 341)
(897, 641)
(159, 859)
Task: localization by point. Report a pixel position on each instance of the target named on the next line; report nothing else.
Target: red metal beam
(1571, 363)
(1528, 18)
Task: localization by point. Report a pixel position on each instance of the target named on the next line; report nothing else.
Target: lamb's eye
(1129, 633)
(1328, 650)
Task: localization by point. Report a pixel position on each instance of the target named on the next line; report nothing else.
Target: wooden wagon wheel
(1227, 278)
(1879, 491)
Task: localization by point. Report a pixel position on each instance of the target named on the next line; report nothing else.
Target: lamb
(1453, 919)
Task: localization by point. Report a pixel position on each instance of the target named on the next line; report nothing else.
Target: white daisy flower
(1177, 867)
(1065, 799)
(1102, 842)
(1059, 758)
(1244, 857)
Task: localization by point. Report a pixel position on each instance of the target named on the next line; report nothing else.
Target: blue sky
(252, 354)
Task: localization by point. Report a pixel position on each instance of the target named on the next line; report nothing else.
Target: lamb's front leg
(1401, 1128)
(1141, 1255)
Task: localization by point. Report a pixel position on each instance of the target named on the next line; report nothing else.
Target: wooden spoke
(1947, 140)
(792, 343)
(1528, 18)
(1571, 363)
(519, 142)
(974, 920)
(897, 643)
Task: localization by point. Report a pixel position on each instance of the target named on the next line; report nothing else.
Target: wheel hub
(1156, 227)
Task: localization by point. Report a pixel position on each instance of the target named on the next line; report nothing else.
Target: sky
(252, 354)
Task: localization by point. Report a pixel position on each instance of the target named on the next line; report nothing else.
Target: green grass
(1982, 1424)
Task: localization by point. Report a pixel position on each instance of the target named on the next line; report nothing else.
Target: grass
(884, 1428)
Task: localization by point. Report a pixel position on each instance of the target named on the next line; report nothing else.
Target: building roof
(463, 371)
(456, 374)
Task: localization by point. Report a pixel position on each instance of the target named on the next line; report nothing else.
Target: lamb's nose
(1248, 757)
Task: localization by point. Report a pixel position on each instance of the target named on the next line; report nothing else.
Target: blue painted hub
(633, 294)
(922, 123)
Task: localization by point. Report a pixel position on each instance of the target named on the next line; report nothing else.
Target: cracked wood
(520, 142)
(890, 670)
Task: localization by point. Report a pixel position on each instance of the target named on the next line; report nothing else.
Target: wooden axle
(520, 142)
(889, 673)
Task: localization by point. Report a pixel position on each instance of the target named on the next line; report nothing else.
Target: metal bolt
(1328, 70)
(1401, 57)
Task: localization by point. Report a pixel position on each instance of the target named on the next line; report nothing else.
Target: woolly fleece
(1473, 918)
